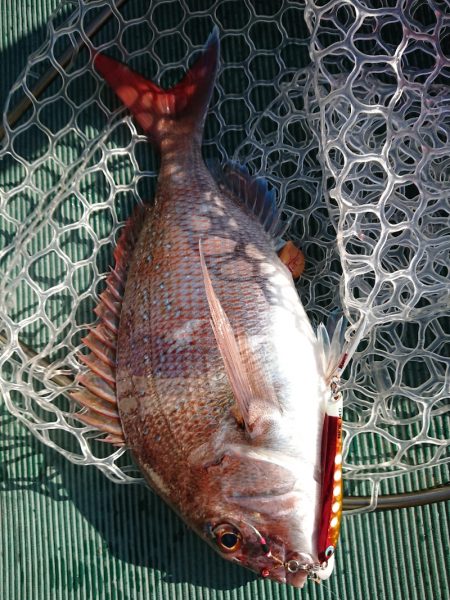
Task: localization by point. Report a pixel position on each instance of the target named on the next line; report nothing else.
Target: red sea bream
(204, 362)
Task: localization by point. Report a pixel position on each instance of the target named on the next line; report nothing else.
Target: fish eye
(228, 538)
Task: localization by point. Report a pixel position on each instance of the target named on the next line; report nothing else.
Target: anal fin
(96, 392)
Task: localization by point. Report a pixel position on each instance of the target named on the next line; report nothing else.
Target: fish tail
(180, 110)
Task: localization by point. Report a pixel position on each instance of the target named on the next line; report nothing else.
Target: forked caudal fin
(154, 108)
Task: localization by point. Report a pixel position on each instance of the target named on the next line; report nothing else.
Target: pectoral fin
(293, 258)
(251, 390)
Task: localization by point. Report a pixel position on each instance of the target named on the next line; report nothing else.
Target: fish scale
(194, 359)
(220, 382)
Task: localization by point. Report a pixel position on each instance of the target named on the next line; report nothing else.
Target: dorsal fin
(97, 391)
(253, 192)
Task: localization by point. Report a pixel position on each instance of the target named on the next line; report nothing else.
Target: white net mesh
(356, 145)
(381, 107)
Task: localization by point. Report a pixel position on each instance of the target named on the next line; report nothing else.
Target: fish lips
(298, 578)
(280, 574)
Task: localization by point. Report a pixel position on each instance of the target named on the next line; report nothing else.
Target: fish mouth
(298, 579)
(296, 571)
(281, 574)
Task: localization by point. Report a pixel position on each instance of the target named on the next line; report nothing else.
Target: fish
(203, 361)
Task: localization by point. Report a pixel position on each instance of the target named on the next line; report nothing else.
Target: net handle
(394, 501)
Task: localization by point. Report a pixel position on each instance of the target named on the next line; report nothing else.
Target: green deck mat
(68, 533)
